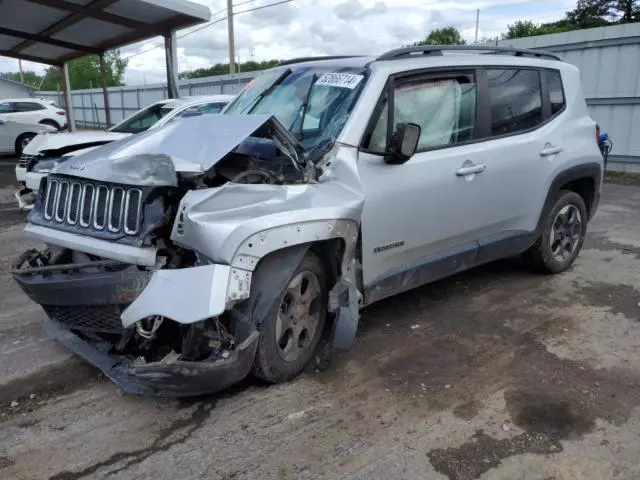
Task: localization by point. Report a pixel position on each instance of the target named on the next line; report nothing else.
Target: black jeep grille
(90, 318)
(115, 209)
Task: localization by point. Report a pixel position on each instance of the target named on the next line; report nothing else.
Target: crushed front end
(152, 243)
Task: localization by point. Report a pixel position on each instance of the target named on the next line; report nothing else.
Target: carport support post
(105, 93)
(67, 97)
(171, 56)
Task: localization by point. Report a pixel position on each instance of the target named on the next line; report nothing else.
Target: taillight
(61, 112)
(598, 134)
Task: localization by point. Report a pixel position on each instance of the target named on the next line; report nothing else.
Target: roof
(8, 80)
(55, 31)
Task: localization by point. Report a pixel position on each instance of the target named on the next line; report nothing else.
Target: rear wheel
(562, 237)
(51, 123)
(22, 141)
(292, 329)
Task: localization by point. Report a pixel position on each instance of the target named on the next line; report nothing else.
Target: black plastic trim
(175, 379)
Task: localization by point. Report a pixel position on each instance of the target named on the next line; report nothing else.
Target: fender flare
(258, 245)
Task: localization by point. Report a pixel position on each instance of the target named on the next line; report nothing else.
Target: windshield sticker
(342, 80)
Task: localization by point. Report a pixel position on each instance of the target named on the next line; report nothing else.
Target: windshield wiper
(267, 91)
(305, 105)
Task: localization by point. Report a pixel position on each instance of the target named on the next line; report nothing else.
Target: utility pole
(477, 24)
(21, 72)
(232, 48)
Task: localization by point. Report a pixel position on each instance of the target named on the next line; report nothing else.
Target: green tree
(521, 29)
(30, 78)
(443, 36)
(629, 10)
(84, 72)
(593, 13)
(223, 69)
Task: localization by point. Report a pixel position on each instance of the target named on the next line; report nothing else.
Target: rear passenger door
(521, 144)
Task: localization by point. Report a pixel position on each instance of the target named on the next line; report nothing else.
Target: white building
(11, 89)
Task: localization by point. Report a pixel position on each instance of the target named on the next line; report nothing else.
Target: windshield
(143, 120)
(314, 103)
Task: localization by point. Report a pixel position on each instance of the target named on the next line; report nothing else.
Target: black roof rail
(405, 52)
(314, 59)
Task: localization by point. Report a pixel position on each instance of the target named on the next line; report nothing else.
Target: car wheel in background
(562, 237)
(51, 123)
(22, 141)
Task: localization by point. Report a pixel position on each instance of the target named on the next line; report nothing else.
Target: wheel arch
(584, 179)
(49, 121)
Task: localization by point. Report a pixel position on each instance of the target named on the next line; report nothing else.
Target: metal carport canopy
(56, 31)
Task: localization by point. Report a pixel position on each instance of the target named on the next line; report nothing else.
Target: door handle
(547, 151)
(464, 171)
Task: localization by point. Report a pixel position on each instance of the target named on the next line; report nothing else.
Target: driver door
(421, 219)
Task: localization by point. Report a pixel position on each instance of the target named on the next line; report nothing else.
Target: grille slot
(99, 207)
(61, 201)
(73, 206)
(25, 160)
(90, 318)
(116, 204)
(49, 203)
(86, 205)
(132, 211)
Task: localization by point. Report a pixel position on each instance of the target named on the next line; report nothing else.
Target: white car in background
(47, 151)
(33, 110)
(14, 136)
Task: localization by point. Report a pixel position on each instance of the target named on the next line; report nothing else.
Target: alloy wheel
(298, 316)
(565, 233)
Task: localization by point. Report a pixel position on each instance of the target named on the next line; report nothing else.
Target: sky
(323, 27)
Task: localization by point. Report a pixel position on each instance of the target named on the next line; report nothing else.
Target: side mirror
(403, 144)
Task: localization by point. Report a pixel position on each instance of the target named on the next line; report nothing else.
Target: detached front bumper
(92, 308)
(171, 379)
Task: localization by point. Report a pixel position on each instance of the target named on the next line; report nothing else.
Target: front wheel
(562, 237)
(292, 329)
(22, 141)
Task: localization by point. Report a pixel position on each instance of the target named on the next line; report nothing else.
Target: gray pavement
(493, 374)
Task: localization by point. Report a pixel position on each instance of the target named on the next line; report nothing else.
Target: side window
(5, 107)
(556, 92)
(27, 106)
(444, 106)
(516, 100)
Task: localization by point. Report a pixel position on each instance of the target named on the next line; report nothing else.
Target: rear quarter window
(556, 91)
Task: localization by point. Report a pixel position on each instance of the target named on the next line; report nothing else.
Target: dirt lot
(493, 374)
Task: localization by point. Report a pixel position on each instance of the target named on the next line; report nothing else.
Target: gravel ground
(492, 374)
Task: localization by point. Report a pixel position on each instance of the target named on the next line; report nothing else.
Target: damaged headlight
(45, 166)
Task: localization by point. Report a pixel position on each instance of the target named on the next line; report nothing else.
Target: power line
(242, 3)
(212, 23)
(263, 6)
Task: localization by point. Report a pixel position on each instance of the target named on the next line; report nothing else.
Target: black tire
(540, 257)
(269, 363)
(22, 141)
(51, 123)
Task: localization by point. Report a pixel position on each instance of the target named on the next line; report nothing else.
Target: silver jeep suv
(184, 258)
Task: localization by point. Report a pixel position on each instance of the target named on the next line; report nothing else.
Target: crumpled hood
(57, 141)
(189, 145)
